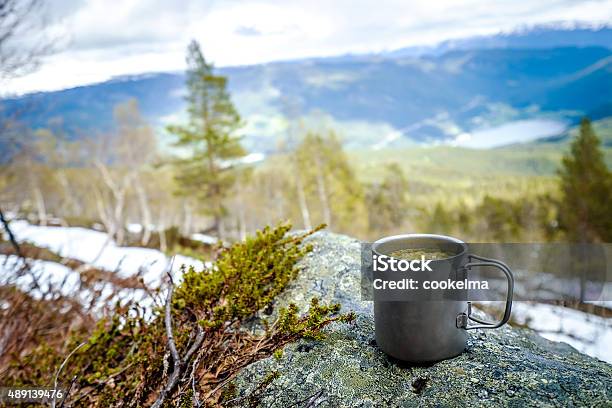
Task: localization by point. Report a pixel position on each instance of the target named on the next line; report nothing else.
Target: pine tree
(586, 187)
(209, 136)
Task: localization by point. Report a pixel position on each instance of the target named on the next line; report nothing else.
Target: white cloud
(115, 38)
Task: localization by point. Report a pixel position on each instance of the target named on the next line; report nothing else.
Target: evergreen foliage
(246, 277)
(496, 219)
(208, 137)
(586, 186)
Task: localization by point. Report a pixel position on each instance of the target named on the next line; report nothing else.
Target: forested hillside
(424, 98)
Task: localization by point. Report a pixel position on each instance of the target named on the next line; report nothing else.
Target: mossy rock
(507, 366)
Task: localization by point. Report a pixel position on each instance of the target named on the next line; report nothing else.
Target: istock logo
(382, 263)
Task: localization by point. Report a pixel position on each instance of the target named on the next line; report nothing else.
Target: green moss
(245, 278)
(310, 325)
(278, 353)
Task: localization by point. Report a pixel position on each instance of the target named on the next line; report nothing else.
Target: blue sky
(102, 39)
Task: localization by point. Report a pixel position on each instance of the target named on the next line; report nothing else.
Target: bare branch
(61, 367)
(179, 364)
(176, 371)
(68, 391)
(26, 264)
(168, 320)
(24, 38)
(11, 236)
(196, 345)
(196, 401)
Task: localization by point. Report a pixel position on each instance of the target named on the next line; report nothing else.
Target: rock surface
(507, 366)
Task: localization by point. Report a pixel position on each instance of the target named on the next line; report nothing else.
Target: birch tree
(121, 159)
(329, 181)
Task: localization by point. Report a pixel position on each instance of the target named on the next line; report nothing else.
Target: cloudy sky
(101, 39)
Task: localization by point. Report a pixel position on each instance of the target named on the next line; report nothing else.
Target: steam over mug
(426, 331)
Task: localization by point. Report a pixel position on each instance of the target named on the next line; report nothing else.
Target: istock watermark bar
(439, 269)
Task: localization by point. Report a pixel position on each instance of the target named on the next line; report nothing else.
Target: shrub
(127, 360)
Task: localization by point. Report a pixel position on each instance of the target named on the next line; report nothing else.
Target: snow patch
(95, 248)
(587, 333)
(206, 239)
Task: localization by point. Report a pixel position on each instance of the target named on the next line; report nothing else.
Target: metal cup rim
(445, 238)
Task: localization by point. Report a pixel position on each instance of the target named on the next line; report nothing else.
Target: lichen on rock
(507, 366)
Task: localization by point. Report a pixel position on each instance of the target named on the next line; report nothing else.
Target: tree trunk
(322, 190)
(41, 209)
(74, 206)
(118, 217)
(102, 209)
(118, 192)
(242, 222)
(186, 230)
(161, 229)
(220, 228)
(302, 201)
(145, 211)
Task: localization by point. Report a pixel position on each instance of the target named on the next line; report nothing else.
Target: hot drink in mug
(425, 331)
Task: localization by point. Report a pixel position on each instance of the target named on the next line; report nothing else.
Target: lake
(511, 132)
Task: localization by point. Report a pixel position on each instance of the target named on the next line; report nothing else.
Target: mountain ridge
(425, 98)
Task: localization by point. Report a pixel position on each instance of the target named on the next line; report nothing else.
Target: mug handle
(463, 318)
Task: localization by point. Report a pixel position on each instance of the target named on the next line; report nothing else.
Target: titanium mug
(426, 331)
